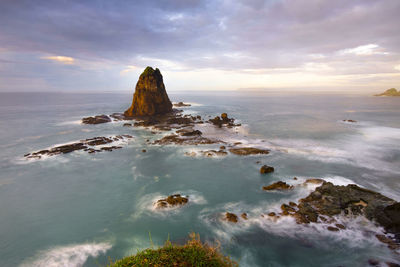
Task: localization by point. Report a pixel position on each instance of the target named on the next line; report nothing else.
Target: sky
(104, 45)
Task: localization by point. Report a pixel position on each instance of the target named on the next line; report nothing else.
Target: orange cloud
(61, 59)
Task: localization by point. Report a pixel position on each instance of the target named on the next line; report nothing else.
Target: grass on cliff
(193, 253)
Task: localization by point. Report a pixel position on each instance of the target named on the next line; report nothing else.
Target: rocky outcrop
(278, 186)
(390, 92)
(245, 151)
(88, 145)
(150, 97)
(224, 120)
(96, 119)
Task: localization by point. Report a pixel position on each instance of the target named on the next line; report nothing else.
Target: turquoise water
(83, 209)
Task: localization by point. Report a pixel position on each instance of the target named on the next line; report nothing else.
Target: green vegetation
(193, 253)
(150, 71)
(390, 92)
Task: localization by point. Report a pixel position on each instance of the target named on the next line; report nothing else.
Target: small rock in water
(231, 217)
(278, 186)
(266, 169)
(332, 229)
(244, 216)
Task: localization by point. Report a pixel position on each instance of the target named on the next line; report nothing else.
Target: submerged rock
(150, 97)
(278, 186)
(266, 169)
(172, 201)
(96, 119)
(352, 121)
(244, 151)
(181, 104)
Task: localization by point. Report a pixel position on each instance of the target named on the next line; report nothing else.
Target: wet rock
(278, 186)
(340, 226)
(150, 97)
(181, 104)
(245, 151)
(85, 145)
(172, 201)
(332, 229)
(392, 244)
(231, 217)
(286, 209)
(96, 119)
(222, 147)
(144, 150)
(352, 121)
(266, 169)
(127, 124)
(272, 214)
(244, 216)
(292, 204)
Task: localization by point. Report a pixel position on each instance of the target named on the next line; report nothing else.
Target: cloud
(343, 37)
(128, 69)
(369, 49)
(61, 59)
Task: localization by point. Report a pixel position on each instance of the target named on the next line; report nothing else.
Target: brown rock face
(150, 97)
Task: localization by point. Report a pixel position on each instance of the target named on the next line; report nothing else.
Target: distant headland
(390, 92)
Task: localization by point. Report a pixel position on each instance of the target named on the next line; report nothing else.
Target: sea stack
(150, 97)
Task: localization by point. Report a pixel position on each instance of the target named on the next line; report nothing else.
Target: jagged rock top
(150, 97)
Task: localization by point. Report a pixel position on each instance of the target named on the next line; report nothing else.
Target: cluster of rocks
(329, 200)
(172, 201)
(88, 145)
(233, 218)
(224, 120)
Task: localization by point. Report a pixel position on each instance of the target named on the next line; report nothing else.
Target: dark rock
(266, 169)
(127, 124)
(244, 151)
(213, 153)
(340, 226)
(231, 217)
(86, 145)
(332, 229)
(143, 150)
(222, 147)
(278, 186)
(96, 119)
(150, 97)
(373, 262)
(192, 133)
(223, 121)
(244, 216)
(352, 121)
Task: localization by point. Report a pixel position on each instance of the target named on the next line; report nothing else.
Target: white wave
(74, 122)
(147, 204)
(379, 133)
(68, 256)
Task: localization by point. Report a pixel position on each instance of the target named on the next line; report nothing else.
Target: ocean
(81, 209)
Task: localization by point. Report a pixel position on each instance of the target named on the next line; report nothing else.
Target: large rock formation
(150, 97)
